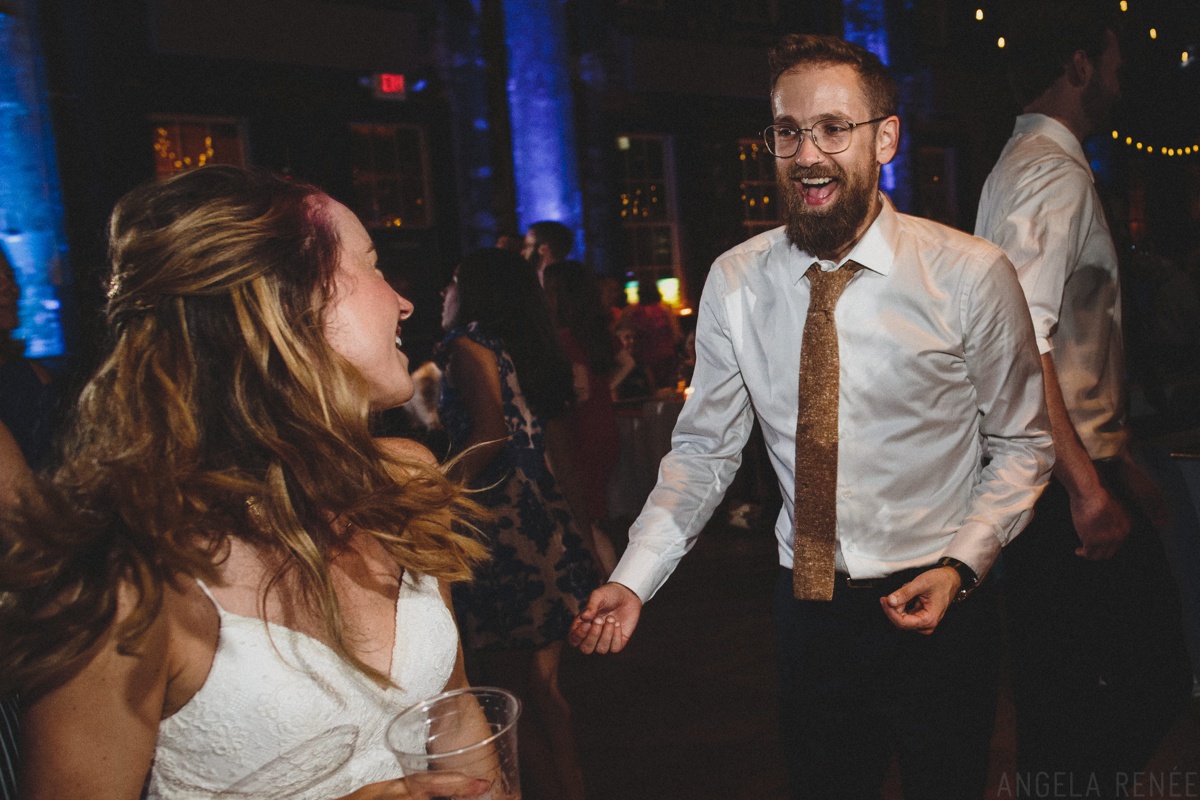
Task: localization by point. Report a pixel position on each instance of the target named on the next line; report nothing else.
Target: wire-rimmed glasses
(831, 136)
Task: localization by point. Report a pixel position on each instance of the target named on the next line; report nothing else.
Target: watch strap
(968, 579)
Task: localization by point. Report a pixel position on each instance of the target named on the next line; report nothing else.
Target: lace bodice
(282, 716)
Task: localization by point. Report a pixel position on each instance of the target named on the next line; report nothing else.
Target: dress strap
(204, 588)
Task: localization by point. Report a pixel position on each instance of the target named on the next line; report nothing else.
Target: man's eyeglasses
(831, 136)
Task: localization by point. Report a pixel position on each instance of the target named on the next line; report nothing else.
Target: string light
(1164, 150)
(1185, 59)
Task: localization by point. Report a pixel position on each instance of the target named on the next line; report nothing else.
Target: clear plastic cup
(471, 732)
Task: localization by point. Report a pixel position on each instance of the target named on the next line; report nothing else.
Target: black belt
(888, 582)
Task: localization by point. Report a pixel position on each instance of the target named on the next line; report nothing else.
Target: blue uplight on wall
(30, 200)
(865, 24)
(545, 165)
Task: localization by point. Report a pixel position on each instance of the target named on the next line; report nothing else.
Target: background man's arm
(1100, 521)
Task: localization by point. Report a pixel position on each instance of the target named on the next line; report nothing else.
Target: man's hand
(920, 604)
(1101, 524)
(606, 624)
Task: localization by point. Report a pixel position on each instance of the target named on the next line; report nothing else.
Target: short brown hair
(1049, 34)
(801, 49)
(558, 236)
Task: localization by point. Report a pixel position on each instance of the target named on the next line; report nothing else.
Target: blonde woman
(229, 587)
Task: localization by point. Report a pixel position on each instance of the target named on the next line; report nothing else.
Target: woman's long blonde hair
(221, 411)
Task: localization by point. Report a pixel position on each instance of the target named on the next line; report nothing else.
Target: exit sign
(388, 86)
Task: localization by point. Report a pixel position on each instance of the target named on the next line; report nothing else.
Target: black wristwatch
(969, 580)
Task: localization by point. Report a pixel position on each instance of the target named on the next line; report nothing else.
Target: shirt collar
(1055, 131)
(876, 250)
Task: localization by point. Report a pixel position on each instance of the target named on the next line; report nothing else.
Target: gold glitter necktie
(817, 438)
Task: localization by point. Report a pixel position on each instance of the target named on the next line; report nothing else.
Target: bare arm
(625, 365)
(94, 735)
(14, 472)
(1100, 521)
(472, 372)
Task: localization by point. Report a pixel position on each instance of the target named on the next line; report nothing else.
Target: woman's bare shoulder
(194, 629)
(93, 734)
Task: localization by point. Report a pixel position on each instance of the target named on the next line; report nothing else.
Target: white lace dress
(282, 716)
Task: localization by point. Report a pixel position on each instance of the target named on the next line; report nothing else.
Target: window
(649, 219)
(182, 143)
(391, 176)
(760, 206)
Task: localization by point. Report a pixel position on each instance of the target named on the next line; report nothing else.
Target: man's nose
(808, 152)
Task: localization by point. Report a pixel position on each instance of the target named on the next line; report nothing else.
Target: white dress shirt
(1041, 207)
(938, 370)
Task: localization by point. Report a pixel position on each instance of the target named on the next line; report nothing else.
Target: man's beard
(824, 230)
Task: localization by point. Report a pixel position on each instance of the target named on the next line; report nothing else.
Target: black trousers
(1099, 663)
(854, 690)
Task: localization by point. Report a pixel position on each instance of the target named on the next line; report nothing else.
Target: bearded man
(892, 366)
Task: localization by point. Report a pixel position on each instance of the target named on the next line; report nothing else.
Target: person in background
(612, 297)
(27, 405)
(511, 241)
(630, 380)
(574, 300)
(507, 392)
(1100, 668)
(878, 408)
(657, 335)
(15, 479)
(228, 586)
(547, 242)
(27, 396)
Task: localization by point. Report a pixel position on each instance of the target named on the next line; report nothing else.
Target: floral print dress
(540, 574)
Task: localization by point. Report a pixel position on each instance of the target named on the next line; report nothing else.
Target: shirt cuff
(976, 546)
(1043, 345)
(641, 571)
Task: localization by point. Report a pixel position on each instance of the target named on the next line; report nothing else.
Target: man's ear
(1079, 69)
(887, 139)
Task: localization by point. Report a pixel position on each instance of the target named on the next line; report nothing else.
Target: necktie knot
(827, 287)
